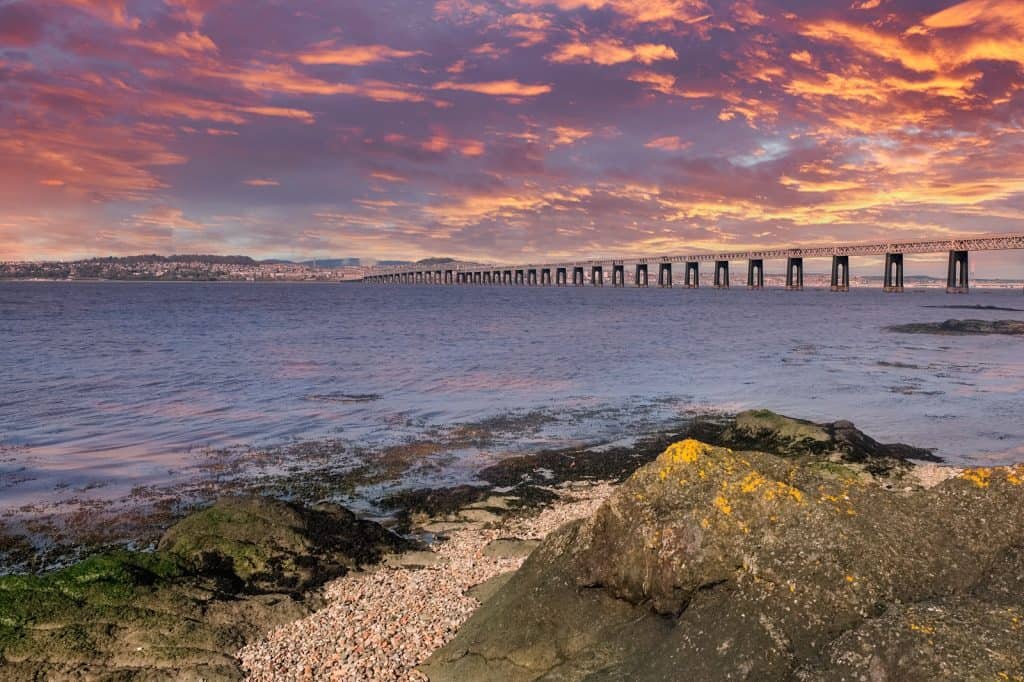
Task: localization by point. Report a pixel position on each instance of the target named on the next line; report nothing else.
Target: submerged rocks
(714, 564)
(221, 577)
(1009, 327)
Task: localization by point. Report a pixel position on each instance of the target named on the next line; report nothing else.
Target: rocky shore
(953, 327)
(755, 547)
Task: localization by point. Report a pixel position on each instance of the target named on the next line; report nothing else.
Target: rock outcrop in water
(952, 327)
(717, 564)
(219, 578)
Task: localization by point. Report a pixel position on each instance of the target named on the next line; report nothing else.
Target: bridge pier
(957, 277)
(449, 276)
(665, 275)
(755, 273)
(597, 276)
(531, 277)
(618, 275)
(893, 280)
(692, 280)
(478, 278)
(578, 277)
(545, 277)
(721, 274)
(795, 274)
(840, 273)
(561, 277)
(640, 278)
(520, 279)
(487, 277)
(506, 277)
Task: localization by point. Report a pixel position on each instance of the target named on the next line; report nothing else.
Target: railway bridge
(660, 269)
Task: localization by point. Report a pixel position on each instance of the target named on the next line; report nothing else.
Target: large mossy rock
(273, 546)
(712, 564)
(221, 577)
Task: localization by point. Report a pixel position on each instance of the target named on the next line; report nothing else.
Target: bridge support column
(449, 277)
(893, 280)
(545, 277)
(487, 278)
(957, 278)
(795, 274)
(755, 273)
(597, 276)
(692, 280)
(478, 278)
(840, 273)
(618, 275)
(531, 277)
(665, 275)
(520, 277)
(561, 277)
(506, 277)
(640, 278)
(721, 274)
(577, 277)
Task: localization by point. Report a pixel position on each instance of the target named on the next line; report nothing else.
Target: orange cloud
(638, 11)
(261, 182)
(666, 84)
(568, 135)
(112, 11)
(181, 45)
(283, 78)
(502, 88)
(353, 55)
(608, 51)
(670, 143)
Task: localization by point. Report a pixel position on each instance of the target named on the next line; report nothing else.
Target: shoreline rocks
(962, 327)
(220, 577)
(747, 565)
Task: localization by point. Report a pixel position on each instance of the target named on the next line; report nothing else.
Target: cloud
(353, 55)
(261, 182)
(608, 51)
(181, 45)
(564, 135)
(499, 88)
(669, 143)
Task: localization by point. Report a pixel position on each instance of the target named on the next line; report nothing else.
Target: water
(109, 386)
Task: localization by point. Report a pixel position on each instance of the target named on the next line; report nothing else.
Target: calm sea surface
(109, 386)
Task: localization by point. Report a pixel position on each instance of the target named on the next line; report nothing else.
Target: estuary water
(106, 387)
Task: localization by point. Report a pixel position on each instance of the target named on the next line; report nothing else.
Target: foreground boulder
(221, 577)
(713, 564)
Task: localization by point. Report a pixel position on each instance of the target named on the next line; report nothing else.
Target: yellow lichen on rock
(979, 477)
(723, 505)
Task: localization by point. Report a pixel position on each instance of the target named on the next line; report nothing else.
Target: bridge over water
(598, 272)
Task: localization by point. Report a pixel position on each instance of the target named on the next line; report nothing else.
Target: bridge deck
(996, 242)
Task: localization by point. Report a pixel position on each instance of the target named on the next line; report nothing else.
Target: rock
(748, 565)
(494, 502)
(273, 546)
(766, 431)
(420, 559)
(478, 516)
(1009, 327)
(182, 612)
(510, 548)
(489, 587)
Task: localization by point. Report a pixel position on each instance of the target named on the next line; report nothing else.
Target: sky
(505, 130)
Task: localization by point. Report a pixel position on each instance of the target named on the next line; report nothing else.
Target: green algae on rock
(716, 564)
(221, 577)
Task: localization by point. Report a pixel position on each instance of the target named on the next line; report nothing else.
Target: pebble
(379, 625)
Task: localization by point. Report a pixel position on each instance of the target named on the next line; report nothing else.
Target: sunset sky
(504, 129)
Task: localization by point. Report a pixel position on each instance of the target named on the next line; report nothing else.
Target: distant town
(191, 268)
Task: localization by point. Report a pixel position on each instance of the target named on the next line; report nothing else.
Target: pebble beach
(381, 623)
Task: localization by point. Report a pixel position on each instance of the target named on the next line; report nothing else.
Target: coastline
(382, 615)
